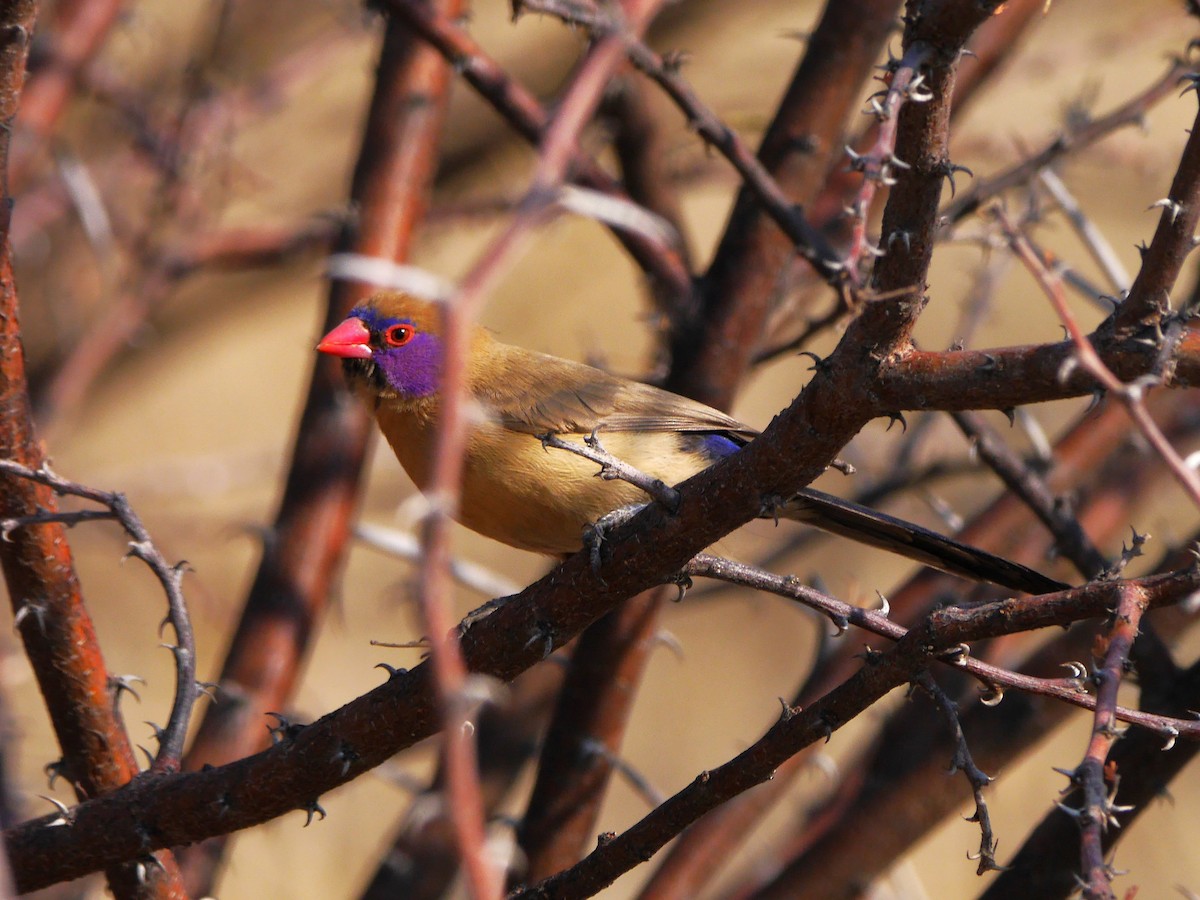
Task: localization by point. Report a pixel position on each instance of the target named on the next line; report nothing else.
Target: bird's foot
(595, 534)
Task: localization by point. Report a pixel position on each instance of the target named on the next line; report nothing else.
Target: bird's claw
(595, 534)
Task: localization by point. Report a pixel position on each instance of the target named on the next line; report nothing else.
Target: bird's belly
(522, 494)
(518, 492)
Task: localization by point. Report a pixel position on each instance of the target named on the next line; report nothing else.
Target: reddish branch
(557, 151)
(607, 664)
(530, 119)
(423, 862)
(1085, 357)
(57, 631)
(308, 538)
(76, 33)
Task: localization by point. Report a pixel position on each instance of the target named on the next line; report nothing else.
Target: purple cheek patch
(413, 369)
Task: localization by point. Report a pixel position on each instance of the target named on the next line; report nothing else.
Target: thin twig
(841, 614)
(1097, 813)
(1071, 140)
(171, 738)
(879, 163)
(964, 762)
(1089, 232)
(1024, 482)
(1131, 395)
(613, 468)
(809, 242)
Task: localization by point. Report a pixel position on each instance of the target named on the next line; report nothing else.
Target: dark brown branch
(1070, 538)
(798, 728)
(1150, 296)
(1005, 377)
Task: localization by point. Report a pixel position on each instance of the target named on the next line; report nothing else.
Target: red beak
(351, 340)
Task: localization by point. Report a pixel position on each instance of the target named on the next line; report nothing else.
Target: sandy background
(194, 422)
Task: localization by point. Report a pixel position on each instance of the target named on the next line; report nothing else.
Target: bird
(517, 492)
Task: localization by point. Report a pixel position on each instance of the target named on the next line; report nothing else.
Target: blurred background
(193, 411)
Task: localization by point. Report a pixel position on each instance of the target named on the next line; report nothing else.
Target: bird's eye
(398, 335)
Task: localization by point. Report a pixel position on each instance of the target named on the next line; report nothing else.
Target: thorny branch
(1098, 780)
(874, 372)
(368, 730)
(964, 762)
(1131, 394)
(170, 576)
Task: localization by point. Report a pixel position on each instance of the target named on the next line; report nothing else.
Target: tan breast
(517, 492)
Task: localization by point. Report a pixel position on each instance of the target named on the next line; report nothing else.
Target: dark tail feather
(867, 526)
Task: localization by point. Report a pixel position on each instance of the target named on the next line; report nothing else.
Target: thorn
(208, 689)
(313, 808)
(820, 364)
(144, 866)
(789, 711)
(56, 770)
(347, 756)
(683, 583)
(283, 729)
(1172, 734)
(953, 170)
(905, 237)
(65, 816)
(1077, 669)
(37, 610)
(119, 683)
(991, 694)
(1075, 814)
